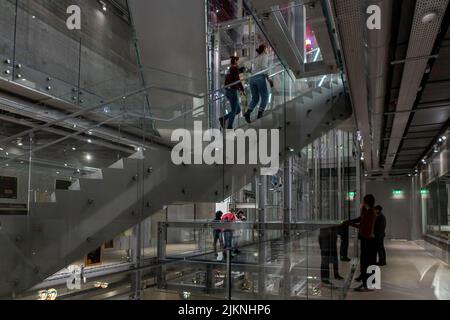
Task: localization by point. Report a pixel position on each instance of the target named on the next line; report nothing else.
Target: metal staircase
(93, 211)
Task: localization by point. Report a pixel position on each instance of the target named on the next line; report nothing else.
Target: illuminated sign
(351, 195)
(424, 191)
(398, 194)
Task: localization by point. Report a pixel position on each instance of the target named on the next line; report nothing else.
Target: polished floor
(411, 273)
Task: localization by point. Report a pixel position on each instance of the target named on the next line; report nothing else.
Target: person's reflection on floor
(329, 254)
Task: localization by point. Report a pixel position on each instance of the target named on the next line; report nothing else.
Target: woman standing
(258, 85)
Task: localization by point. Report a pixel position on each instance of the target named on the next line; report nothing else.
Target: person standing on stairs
(233, 84)
(258, 85)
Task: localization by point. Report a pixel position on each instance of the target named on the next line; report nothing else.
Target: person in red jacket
(366, 227)
(228, 233)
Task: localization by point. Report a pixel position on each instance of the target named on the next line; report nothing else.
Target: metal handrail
(122, 97)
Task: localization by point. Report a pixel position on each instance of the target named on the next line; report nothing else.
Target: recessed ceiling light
(429, 17)
(88, 157)
(73, 148)
(89, 140)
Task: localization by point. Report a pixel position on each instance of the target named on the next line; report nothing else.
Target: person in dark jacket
(217, 232)
(343, 250)
(328, 253)
(366, 226)
(233, 85)
(380, 233)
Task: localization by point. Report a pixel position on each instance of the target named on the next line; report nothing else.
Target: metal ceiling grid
(421, 43)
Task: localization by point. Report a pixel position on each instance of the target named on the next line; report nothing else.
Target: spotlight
(103, 4)
(429, 17)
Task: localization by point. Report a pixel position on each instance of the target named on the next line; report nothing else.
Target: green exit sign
(423, 191)
(352, 194)
(397, 192)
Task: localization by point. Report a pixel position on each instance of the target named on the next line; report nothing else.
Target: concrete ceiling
(431, 107)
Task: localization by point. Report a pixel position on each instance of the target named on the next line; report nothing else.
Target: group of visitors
(228, 238)
(371, 225)
(258, 87)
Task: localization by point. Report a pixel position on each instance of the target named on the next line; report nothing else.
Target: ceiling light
(1, 149)
(429, 17)
(57, 172)
(89, 140)
(88, 157)
(73, 148)
(65, 164)
(103, 4)
(444, 138)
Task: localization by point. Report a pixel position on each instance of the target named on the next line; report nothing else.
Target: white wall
(400, 216)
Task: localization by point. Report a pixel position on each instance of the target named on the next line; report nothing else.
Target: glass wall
(434, 191)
